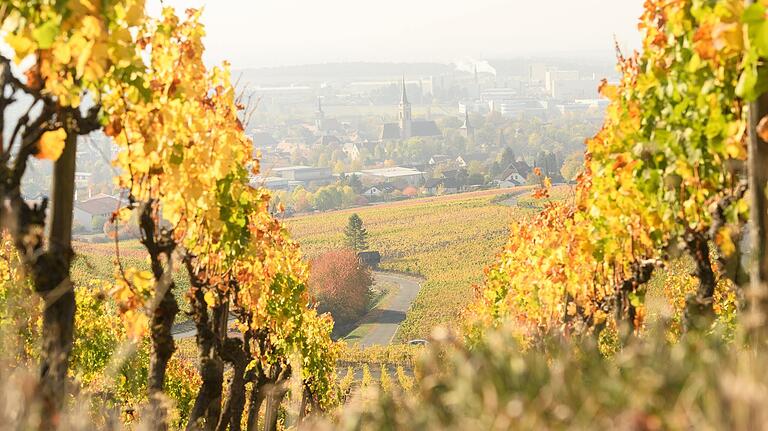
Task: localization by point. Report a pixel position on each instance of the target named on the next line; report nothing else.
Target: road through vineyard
(448, 240)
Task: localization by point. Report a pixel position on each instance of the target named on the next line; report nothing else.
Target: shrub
(410, 191)
(341, 285)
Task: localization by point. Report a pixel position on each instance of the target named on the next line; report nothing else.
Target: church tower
(319, 115)
(405, 115)
(469, 131)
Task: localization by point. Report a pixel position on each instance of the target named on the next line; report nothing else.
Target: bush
(410, 191)
(341, 285)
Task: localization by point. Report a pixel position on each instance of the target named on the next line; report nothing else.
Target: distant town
(340, 136)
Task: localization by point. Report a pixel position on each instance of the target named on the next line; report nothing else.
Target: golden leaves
(210, 298)
(74, 51)
(51, 145)
(703, 43)
(22, 46)
(672, 126)
(607, 90)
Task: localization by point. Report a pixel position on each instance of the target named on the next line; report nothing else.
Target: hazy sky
(254, 33)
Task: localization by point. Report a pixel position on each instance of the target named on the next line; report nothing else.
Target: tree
(572, 166)
(356, 236)
(410, 191)
(166, 163)
(355, 183)
(341, 285)
(48, 95)
(654, 180)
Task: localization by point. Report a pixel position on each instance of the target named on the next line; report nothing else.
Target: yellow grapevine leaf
(51, 145)
(22, 46)
(210, 298)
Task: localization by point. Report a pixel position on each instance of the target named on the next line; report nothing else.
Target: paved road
(512, 201)
(385, 319)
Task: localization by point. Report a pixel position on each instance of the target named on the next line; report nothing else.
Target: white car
(418, 342)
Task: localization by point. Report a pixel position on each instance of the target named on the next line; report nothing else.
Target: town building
(511, 177)
(98, 209)
(439, 159)
(82, 185)
(464, 160)
(466, 129)
(397, 176)
(303, 173)
(407, 127)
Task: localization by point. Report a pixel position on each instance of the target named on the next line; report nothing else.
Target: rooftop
(393, 172)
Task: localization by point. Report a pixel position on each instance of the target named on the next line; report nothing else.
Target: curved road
(381, 323)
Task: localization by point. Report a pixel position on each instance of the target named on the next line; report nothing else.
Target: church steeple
(469, 131)
(405, 115)
(404, 97)
(319, 115)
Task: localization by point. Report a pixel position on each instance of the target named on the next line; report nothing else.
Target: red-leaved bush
(341, 285)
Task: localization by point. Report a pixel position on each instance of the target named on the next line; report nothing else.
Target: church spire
(404, 98)
(469, 131)
(405, 115)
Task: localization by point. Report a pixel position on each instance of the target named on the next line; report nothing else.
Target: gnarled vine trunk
(234, 353)
(698, 310)
(211, 330)
(159, 243)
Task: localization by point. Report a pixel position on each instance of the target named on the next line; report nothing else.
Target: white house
(373, 191)
(439, 158)
(510, 178)
(100, 206)
(351, 150)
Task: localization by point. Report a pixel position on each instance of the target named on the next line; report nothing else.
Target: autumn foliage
(663, 177)
(341, 285)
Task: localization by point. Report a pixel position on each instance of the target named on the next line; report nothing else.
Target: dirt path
(377, 327)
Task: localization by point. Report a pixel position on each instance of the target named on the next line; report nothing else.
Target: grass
(448, 240)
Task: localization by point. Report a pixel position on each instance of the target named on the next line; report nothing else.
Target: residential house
(463, 161)
(439, 159)
(522, 168)
(373, 191)
(511, 177)
(441, 185)
(351, 150)
(99, 207)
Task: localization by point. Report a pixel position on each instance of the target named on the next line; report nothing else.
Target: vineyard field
(448, 240)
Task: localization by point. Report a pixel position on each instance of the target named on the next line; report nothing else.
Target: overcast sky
(255, 33)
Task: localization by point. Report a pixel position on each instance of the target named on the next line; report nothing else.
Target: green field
(448, 240)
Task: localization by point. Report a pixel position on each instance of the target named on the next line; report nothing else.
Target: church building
(407, 127)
